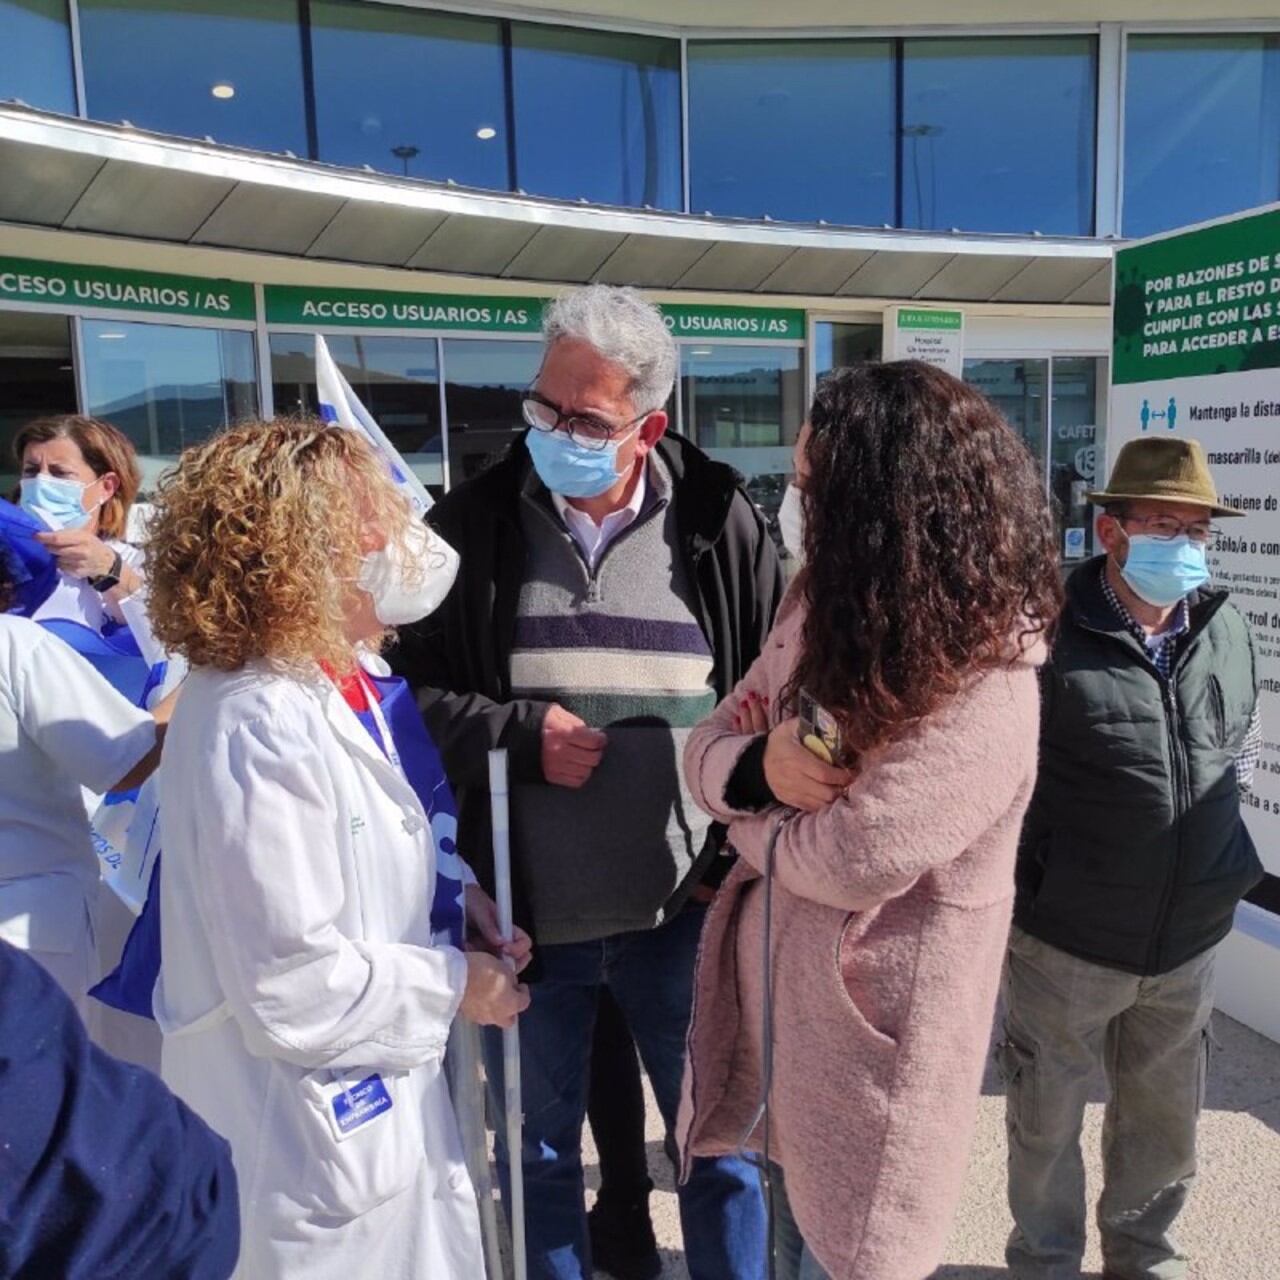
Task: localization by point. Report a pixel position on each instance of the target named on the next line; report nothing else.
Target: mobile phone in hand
(819, 730)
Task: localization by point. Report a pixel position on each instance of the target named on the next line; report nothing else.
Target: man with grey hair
(615, 583)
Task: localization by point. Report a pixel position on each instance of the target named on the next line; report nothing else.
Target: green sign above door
(693, 321)
(300, 306)
(75, 288)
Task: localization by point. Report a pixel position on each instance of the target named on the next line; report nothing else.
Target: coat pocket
(363, 1132)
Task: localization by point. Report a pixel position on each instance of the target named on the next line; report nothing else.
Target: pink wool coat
(891, 911)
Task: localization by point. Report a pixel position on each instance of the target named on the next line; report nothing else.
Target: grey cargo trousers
(1065, 1017)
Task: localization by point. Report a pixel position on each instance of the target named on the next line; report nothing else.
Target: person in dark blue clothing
(104, 1174)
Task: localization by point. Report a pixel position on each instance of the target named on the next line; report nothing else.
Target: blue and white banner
(340, 404)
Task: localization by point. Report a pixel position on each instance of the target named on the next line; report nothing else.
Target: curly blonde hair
(255, 544)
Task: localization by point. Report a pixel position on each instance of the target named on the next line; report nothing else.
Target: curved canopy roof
(79, 175)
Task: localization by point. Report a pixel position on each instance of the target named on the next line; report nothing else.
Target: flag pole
(510, 1035)
(464, 1051)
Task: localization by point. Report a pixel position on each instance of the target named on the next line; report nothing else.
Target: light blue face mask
(59, 503)
(571, 469)
(1165, 570)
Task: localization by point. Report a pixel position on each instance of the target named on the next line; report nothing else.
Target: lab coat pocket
(364, 1130)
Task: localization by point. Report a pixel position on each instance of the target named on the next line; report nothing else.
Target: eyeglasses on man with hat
(1157, 525)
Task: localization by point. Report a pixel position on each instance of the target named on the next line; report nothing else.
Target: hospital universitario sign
(1197, 353)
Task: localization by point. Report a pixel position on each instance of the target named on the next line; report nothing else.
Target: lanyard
(380, 720)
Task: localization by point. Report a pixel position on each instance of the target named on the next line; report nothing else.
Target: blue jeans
(792, 1258)
(650, 975)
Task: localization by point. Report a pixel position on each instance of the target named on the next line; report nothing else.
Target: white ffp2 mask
(409, 578)
(791, 521)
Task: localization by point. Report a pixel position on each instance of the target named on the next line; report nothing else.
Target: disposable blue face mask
(571, 469)
(59, 503)
(1164, 570)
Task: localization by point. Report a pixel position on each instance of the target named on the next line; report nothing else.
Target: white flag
(340, 404)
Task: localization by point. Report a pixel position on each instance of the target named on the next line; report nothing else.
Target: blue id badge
(352, 1107)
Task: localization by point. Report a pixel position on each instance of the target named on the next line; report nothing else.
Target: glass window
(36, 378)
(484, 382)
(1202, 128)
(395, 378)
(167, 386)
(797, 129)
(229, 69)
(837, 344)
(35, 54)
(410, 92)
(597, 115)
(998, 134)
(1076, 447)
(1019, 389)
(744, 405)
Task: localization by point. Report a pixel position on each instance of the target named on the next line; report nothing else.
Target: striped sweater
(623, 649)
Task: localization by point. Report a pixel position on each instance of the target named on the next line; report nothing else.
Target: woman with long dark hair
(849, 966)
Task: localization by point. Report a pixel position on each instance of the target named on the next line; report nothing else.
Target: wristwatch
(109, 579)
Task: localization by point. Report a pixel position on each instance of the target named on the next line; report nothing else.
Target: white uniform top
(297, 956)
(62, 727)
(74, 599)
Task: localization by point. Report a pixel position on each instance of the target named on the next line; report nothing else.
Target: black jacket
(1134, 852)
(459, 659)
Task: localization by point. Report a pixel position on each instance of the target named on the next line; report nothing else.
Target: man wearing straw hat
(1132, 860)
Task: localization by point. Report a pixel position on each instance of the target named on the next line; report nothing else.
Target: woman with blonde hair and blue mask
(311, 928)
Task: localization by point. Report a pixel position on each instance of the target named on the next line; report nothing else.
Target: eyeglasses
(1166, 528)
(583, 428)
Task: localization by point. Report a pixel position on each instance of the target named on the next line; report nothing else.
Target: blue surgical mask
(1165, 570)
(571, 469)
(59, 503)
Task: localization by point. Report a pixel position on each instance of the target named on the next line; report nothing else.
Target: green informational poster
(1197, 353)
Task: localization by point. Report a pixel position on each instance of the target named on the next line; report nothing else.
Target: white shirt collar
(594, 538)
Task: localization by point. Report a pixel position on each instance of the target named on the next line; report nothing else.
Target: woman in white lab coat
(79, 478)
(304, 999)
(62, 728)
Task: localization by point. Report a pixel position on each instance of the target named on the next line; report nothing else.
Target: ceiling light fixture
(112, 335)
(485, 132)
(222, 90)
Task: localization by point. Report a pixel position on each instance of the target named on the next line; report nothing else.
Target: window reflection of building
(1202, 128)
(167, 386)
(485, 380)
(840, 344)
(35, 54)
(396, 378)
(1058, 407)
(37, 376)
(228, 69)
(744, 404)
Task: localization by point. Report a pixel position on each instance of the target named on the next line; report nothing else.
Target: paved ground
(1231, 1227)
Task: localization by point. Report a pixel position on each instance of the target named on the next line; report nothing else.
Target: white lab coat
(122, 1034)
(296, 946)
(63, 728)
